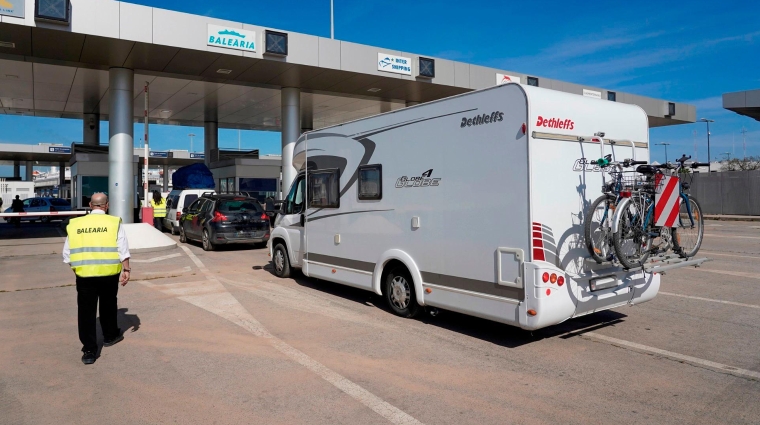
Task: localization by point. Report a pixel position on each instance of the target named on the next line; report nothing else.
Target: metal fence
(728, 192)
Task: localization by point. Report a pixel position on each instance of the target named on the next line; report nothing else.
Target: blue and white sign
(231, 38)
(57, 149)
(13, 8)
(394, 64)
(159, 154)
(198, 156)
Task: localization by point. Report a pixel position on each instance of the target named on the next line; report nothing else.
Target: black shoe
(88, 357)
(114, 341)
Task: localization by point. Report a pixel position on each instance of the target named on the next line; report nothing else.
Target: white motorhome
(473, 203)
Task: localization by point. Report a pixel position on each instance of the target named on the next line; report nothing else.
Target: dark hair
(157, 197)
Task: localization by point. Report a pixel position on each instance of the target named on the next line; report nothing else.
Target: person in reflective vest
(159, 209)
(96, 249)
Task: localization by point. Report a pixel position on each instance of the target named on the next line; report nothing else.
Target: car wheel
(182, 235)
(207, 244)
(399, 292)
(280, 261)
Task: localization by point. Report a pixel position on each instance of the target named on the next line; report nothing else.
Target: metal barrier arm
(42, 213)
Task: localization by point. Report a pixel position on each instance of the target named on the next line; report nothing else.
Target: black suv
(224, 219)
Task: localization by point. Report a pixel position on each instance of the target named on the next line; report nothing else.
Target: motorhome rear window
(324, 186)
(370, 182)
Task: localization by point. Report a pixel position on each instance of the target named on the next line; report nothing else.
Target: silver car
(33, 205)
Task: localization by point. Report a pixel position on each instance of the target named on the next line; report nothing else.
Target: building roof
(62, 71)
(743, 103)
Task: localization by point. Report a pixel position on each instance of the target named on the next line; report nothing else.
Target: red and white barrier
(42, 213)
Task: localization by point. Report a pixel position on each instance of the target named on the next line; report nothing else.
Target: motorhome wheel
(280, 261)
(399, 292)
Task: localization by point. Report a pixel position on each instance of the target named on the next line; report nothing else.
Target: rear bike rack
(664, 262)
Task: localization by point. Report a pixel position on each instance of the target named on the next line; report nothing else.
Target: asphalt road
(215, 337)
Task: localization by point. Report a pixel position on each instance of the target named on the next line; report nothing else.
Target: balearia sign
(13, 8)
(231, 38)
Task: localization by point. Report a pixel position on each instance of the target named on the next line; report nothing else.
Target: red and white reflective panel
(667, 201)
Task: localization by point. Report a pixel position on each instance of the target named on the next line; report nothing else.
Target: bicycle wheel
(597, 226)
(687, 238)
(632, 241)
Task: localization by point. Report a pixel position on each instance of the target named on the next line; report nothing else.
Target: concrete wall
(728, 193)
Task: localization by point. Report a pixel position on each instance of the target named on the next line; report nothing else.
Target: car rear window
(58, 202)
(189, 199)
(236, 205)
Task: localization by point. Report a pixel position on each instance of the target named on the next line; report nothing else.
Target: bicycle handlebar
(638, 162)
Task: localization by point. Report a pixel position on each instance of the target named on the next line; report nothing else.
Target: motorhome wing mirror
(269, 205)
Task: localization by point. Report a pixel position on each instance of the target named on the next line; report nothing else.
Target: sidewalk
(732, 217)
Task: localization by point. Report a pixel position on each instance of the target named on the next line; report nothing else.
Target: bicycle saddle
(646, 169)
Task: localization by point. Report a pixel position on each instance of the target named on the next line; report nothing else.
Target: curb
(732, 217)
(153, 249)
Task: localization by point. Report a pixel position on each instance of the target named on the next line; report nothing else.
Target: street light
(191, 141)
(666, 149)
(709, 159)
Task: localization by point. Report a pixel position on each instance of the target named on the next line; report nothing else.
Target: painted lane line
(731, 273)
(171, 272)
(715, 235)
(153, 260)
(728, 255)
(675, 356)
(212, 296)
(710, 300)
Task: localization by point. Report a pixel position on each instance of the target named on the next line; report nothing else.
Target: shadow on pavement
(475, 327)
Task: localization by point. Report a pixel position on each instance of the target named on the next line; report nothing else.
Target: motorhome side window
(370, 182)
(324, 188)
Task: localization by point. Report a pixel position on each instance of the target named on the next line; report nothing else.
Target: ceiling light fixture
(166, 111)
(374, 90)
(7, 44)
(11, 76)
(224, 71)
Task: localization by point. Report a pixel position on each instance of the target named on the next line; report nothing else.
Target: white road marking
(675, 356)
(715, 235)
(154, 259)
(212, 296)
(710, 299)
(728, 255)
(730, 273)
(182, 270)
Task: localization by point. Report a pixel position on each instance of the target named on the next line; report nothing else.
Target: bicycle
(598, 220)
(687, 237)
(634, 225)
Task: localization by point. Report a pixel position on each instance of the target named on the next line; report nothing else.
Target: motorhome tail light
(561, 280)
(532, 312)
(545, 277)
(625, 193)
(548, 291)
(553, 278)
(218, 217)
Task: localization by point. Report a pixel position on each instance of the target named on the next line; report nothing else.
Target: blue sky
(683, 51)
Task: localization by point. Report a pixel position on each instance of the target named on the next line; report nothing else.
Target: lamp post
(709, 159)
(666, 149)
(191, 141)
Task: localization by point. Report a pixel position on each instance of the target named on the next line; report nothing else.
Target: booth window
(324, 188)
(370, 182)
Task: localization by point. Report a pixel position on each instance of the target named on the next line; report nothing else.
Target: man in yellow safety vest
(159, 209)
(96, 249)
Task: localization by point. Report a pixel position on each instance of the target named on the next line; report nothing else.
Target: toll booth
(89, 174)
(246, 172)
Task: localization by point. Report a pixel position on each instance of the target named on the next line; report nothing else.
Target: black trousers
(89, 291)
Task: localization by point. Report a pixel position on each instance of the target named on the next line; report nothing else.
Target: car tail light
(545, 277)
(219, 217)
(553, 278)
(561, 280)
(264, 216)
(178, 215)
(52, 209)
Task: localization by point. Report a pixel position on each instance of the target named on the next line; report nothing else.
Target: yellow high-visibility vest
(159, 210)
(92, 241)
